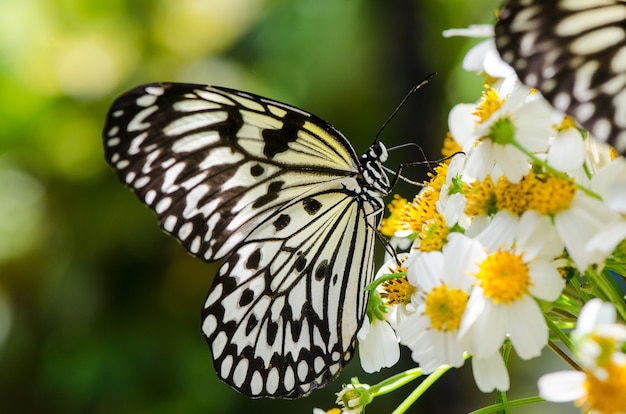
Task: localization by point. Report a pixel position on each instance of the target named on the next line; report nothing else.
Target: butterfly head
(374, 177)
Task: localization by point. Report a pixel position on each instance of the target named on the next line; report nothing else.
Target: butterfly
(279, 196)
(574, 52)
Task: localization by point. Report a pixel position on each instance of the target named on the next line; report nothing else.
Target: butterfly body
(574, 53)
(282, 198)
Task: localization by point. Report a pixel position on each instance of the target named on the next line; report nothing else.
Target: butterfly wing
(574, 53)
(273, 190)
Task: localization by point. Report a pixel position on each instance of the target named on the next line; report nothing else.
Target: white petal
(537, 237)
(562, 386)
(527, 328)
(595, 312)
(585, 218)
(490, 373)
(380, 348)
(547, 281)
(461, 123)
(567, 151)
(499, 232)
(462, 256)
(426, 270)
(514, 163)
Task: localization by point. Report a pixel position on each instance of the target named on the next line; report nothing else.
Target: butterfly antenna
(393, 114)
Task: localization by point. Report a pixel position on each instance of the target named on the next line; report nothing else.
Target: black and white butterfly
(283, 199)
(574, 52)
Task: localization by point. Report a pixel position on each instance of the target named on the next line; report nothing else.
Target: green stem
(395, 382)
(512, 403)
(424, 385)
(563, 337)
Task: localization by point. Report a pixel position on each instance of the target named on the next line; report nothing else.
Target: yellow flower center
(397, 291)
(551, 194)
(481, 198)
(450, 146)
(514, 197)
(433, 234)
(438, 179)
(390, 225)
(605, 396)
(504, 277)
(422, 209)
(567, 123)
(445, 307)
(490, 103)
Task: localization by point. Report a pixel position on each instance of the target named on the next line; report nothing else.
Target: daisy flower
(502, 303)
(599, 387)
(444, 285)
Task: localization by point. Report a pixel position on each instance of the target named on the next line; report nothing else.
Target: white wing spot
(303, 370)
(113, 142)
(193, 105)
(271, 385)
(163, 205)
(146, 100)
(171, 176)
(137, 123)
(227, 365)
(118, 113)
(142, 181)
(601, 129)
(170, 223)
(289, 379)
(136, 143)
(195, 245)
(195, 142)
(256, 383)
(319, 364)
(150, 196)
(195, 121)
(168, 163)
(115, 157)
(240, 373)
(155, 90)
(185, 230)
(218, 345)
(209, 324)
(122, 164)
(214, 296)
(214, 97)
(113, 131)
(130, 177)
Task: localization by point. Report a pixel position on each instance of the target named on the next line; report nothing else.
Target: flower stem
(511, 403)
(424, 385)
(395, 382)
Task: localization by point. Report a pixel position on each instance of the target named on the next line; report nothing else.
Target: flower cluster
(523, 224)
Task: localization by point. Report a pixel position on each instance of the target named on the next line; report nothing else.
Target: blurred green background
(99, 311)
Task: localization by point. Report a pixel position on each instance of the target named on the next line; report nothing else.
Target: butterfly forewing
(281, 196)
(574, 52)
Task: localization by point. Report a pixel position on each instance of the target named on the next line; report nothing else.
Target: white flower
(599, 388)
(444, 284)
(502, 303)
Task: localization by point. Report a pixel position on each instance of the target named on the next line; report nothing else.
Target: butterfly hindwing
(574, 52)
(284, 311)
(278, 194)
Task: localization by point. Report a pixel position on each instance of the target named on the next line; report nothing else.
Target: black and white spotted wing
(574, 52)
(281, 196)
